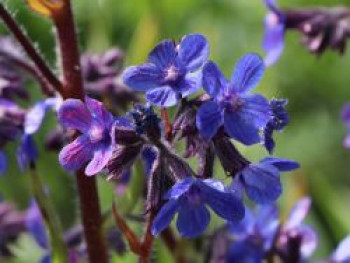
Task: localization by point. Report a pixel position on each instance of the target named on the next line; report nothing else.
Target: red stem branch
(73, 88)
(30, 50)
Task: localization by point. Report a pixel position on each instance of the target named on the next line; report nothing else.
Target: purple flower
(273, 42)
(278, 121)
(242, 114)
(171, 71)
(261, 181)
(189, 198)
(254, 235)
(94, 145)
(346, 119)
(342, 253)
(295, 229)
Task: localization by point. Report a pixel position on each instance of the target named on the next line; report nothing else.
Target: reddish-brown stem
(73, 88)
(29, 48)
(147, 240)
(167, 124)
(130, 236)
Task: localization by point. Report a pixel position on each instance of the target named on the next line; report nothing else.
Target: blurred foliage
(316, 88)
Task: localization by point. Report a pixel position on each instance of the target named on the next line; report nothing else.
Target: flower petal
(143, 77)
(74, 155)
(192, 220)
(36, 115)
(209, 119)
(164, 217)
(99, 112)
(99, 161)
(73, 114)
(298, 213)
(35, 225)
(244, 124)
(245, 227)
(267, 223)
(240, 128)
(190, 84)
(245, 252)
(262, 183)
(163, 96)
(224, 204)
(163, 55)
(342, 252)
(309, 240)
(273, 42)
(345, 114)
(193, 51)
(247, 74)
(283, 165)
(214, 82)
(180, 188)
(3, 163)
(26, 152)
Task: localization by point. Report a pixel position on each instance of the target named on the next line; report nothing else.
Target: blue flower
(261, 181)
(342, 253)
(273, 42)
(171, 72)
(345, 114)
(27, 151)
(294, 228)
(254, 235)
(278, 121)
(189, 198)
(94, 145)
(241, 113)
(3, 162)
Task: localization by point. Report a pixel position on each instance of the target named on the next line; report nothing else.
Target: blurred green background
(316, 88)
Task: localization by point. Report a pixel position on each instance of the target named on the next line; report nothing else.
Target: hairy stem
(73, 88)
(58, 248)
(28, 47)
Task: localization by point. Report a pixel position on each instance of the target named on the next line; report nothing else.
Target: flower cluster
(228, 110)
(321, 28)
(261, 235)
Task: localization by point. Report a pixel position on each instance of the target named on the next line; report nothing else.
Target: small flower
(346, 119)
(189, 198)
(27, 152)
(295, 230)
(242, 114)
(11, 82)
(273, 42)
(94, 145)
(278, 121)
(342, 252)
(171, 72)
(254, 235)
(261, 181)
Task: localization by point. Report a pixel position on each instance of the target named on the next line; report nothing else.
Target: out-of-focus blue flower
(342, 252)
(3, 163)
(294, 228)
(35, 225)
(261, 181)
(278, 121)
(189, 198)
(242, 114)
(171, 71)
(346, 119)
(273, 42)
(94, 145)
(27, 152)
(254, 235)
